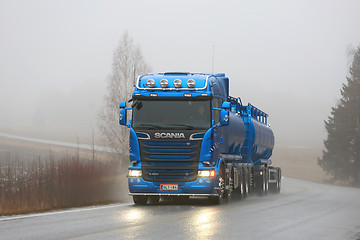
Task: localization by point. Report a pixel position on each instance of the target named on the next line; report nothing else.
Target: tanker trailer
(189, 138)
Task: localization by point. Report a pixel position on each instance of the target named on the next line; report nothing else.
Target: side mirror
(226, 105)
(224, 117)
(122, 116)
(123, 104)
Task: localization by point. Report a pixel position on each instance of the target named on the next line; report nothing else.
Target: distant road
(303, 210)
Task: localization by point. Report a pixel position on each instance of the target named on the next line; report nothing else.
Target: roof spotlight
(150, 83)
(164, 83)
(190, 83)
(177, 83)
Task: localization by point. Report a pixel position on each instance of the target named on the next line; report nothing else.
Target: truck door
(218, 134)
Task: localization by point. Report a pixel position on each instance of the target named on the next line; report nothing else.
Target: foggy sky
(286, 57)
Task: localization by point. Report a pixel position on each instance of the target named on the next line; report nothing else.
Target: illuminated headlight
(164, 83)
(177, 83)
(150, 83)
(206, 173)
(190, 83)
(134, 173)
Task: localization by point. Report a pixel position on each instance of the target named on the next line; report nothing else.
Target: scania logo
(169, 135)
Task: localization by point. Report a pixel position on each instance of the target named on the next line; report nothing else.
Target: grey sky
(286, 57)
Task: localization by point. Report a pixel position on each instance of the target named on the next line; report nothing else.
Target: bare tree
(128, 63)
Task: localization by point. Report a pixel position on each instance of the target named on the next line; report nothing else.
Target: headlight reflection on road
(203, 225)
(134, 215)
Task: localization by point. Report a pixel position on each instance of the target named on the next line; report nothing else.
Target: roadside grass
(70, 181)
(299, 163)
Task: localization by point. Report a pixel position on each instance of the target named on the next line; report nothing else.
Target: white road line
(59, 143)
(32, 215)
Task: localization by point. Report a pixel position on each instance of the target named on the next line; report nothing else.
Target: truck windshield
(171, 114)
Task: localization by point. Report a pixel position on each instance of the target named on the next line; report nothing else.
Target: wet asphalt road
(303, 210)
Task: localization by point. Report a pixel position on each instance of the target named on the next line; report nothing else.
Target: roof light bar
(149, 82)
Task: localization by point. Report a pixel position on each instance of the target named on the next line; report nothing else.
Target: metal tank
(259, 138)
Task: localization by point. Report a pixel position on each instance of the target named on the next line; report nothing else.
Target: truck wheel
(262, 184)
(275, 187)
(222, 182)
(232, 181)
(251, 179)
(279, 181)
(278, 187)
(140, 200)
(224, 193)
(245, 183)
(241, 182)
(266, 184)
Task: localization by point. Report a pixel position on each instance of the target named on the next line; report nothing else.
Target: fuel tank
(261, 139)
(249, 136)
(236, 133)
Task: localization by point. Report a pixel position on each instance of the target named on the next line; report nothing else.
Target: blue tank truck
(188, 137)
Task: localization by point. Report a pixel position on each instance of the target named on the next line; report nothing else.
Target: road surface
(303, 210)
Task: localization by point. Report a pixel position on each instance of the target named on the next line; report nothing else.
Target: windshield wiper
(149, 126)
(188, 127)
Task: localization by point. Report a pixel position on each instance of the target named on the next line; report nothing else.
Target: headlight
(206, 173)
(134, 173)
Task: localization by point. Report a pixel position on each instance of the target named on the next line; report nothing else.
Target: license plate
(169, 187)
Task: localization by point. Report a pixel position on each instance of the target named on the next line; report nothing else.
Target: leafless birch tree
(128, 63)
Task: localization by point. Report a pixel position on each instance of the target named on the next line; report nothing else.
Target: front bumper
(199, 187)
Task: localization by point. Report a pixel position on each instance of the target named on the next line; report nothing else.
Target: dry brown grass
(68, 182)
(57, 178)
(299, 162)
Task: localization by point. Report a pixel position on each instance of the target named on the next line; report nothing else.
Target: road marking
(33, 215)
(59, 143)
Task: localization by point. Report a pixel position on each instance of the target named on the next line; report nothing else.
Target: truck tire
(251, 179)
(232, 180)
(261, 183)
(279, 181)
(140, 200)
(223, 182)
(241, 182)
(245, 182)
(265, 183)
(275, 187)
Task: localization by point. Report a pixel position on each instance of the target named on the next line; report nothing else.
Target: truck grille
(169, 161)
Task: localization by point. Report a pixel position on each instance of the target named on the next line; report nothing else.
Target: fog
(289, 58)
